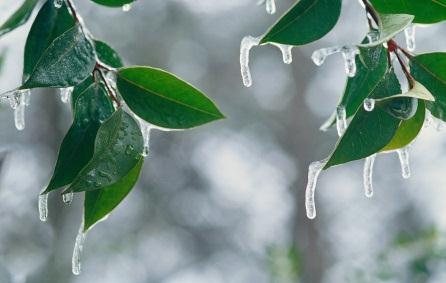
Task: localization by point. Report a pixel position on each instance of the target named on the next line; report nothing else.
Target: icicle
(314, 170)
(68, 198)
(126, 7)
(58, 3)
(369, 104)
(43, 206)
(349, 54)
(146, 128)
(248, 42)
(270, 7)
(77, 252)
(18, 101)
(286, 52)
(320, 55)
(368, 174)
(65, 94)
(403, 155)
(341, 120)
(410, 38)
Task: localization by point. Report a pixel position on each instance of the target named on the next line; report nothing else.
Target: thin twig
(110, 91)
(409, 77)
(369, 8)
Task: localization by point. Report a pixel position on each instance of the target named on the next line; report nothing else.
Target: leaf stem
(409, 77)
(110, 91)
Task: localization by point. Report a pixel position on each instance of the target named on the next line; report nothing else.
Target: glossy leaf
(118, 148)
(430, 70)
(425, 11)
(418, 91)
(305, 22)
(92, 107)
(164, 100)
(107, 55)
(408, 130)
(113, 3)
(19, 18)
(402, 108)
(100, 203)
(389, 26)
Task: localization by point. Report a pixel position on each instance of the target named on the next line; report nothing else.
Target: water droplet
(314, 170)
(248, 42)
(287, 55)
(403, 155)
(77, 251)
(368, 174)
(43, 206)
(68, 198)
(65, 94)
(58, 3)
(341, 120)
(369, 104)
(126, 7)
(320, 55)
(410, 38)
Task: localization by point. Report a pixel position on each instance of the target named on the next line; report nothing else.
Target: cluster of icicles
(319, 56)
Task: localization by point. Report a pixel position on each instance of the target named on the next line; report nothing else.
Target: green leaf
(68, 60)
(408, 130)
(19, 18)
(389, 26)
(113, 3)
(402, 108)
(430, 70)
(164, 100)
(100, 203)
(425, 12)
(118, 148)
(49, 24)
(92, 106)
(107, 55)
(418, 91)
(305, 22)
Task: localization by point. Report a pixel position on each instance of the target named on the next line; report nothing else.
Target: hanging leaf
(92, 107)
(118, 148)
(19, 18)
(107, 55)
(164, 100)
(305, 22)
(100, 203)
(389, 26)
(430, 70)
(425, 12)
(113, 3)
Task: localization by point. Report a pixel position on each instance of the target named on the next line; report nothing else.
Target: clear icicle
(349, 54)
(341, 120)
(43, 206)
(403, 155)
(146, 128)
(68, 198)
(320, 55)
(18, 101)
(77, 252)
(368, 175)
(58, 3)
(65, 94)
(314, 170)
(248, 42)
(369, 104)
(270, 6)
(287, 55)
(410, 38)
(126, 7)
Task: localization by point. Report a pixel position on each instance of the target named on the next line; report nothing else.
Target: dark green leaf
(305, 22)
(418, 91)
(402, 108)
(19, 18)
(92, 107)
(107, 55)
(118, 148)
(100, 203)
(113, 3)
(164, 100)
(430, 70)
(425, 11)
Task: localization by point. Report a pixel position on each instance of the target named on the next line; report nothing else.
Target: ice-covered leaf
(118, 148)
(408, 130)
(164, 100)
(100, 203)
(305, 22)
(389, 26)
(19, 18)
(113, 3)
(92, 106)
(430, 70)
(425, 11)
(107, 55)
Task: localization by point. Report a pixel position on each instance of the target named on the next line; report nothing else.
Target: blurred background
(224, 202)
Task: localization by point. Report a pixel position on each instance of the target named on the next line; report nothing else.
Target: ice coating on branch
(349, 54)
(403, 155)
(286, 52)
(18, 101)
(320, 55)
(126, 7)
(77, 252)
(341, 120)
(314, 170)
(248, 42)
(65, 94)
(369, 104)
(43, 206)
(58, 3)
(368, 175)
(409, 33)
(68, 198)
